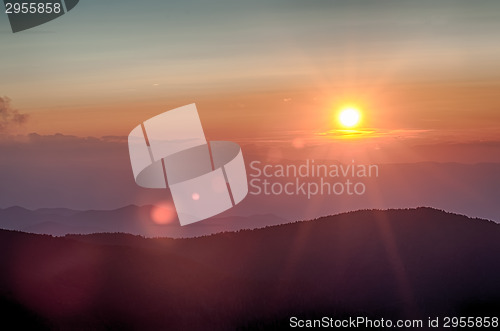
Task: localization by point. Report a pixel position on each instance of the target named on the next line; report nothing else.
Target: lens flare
(163, 213)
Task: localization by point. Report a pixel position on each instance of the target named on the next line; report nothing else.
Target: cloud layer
(9, 117)
(39, 171)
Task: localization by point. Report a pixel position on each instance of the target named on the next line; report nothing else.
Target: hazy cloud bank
(10, 117)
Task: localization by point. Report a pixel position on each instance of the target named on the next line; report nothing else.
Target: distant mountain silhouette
(414, 263)
(129, 219)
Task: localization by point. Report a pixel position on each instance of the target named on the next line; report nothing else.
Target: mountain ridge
(414, 263)
(128, 219)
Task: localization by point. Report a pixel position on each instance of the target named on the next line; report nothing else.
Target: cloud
(10, 117)
(75, 172)
(38, 171)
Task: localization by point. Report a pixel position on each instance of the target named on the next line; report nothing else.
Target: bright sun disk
(349, 117)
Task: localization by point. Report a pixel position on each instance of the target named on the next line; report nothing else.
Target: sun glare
(349, 117)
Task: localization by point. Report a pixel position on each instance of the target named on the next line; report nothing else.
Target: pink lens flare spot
(163, 213)
(298, 143)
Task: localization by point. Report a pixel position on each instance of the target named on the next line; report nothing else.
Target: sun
(349, 117)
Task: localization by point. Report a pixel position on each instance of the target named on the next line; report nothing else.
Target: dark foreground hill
(416, 263)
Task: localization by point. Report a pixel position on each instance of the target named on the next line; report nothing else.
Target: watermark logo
(205, 178)
(310, 178)
(26, 14)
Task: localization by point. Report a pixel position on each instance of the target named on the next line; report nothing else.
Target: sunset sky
(170, 163)
(258, 69)
(269, 75)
